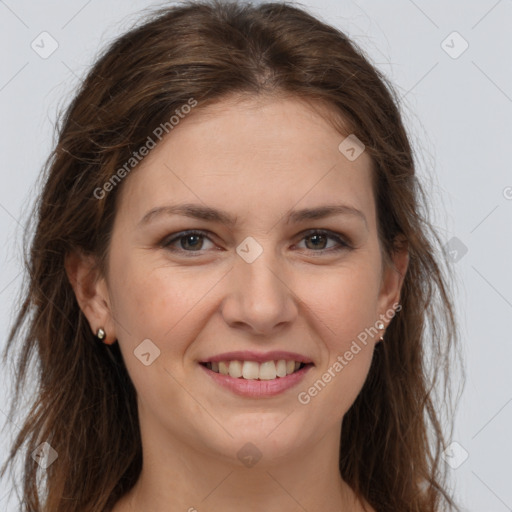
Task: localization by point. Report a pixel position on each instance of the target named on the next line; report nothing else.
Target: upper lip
(259, 357)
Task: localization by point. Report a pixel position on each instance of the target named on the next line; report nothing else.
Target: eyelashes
(196, 248)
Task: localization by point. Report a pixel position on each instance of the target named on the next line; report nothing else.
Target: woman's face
(266, 282)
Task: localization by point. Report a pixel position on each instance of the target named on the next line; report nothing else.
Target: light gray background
(458, 112)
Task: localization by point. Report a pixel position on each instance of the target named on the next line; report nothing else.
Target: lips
(239, 369)
(257, 366)
(258, 387)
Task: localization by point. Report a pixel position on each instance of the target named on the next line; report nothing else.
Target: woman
(232, 286)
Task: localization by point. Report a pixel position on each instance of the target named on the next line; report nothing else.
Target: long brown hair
(84, 405)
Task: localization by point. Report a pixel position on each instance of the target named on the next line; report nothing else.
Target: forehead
(250, 155)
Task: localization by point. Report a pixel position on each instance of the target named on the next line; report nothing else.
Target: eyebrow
(197, 211)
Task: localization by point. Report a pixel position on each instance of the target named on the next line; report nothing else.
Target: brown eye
(318, 240)
(190, 241)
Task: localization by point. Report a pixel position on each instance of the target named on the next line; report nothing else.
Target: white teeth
(223, 368)
(281, 368)
(235, 369)
(267, 370)
(252, 370)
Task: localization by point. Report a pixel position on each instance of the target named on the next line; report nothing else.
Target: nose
(260, 299)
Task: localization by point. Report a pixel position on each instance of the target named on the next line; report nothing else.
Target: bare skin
(258, 160)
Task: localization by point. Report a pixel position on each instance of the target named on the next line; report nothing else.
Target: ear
(393, 276)
(91, 293)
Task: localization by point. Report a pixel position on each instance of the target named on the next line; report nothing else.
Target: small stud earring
(100, 334)
(380, 326)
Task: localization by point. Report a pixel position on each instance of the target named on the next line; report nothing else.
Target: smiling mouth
(252, 370)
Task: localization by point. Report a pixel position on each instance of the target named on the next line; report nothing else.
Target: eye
(192, 241)
(189, 239)
(319, 237)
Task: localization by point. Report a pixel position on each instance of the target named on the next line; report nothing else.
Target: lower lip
(258, 388)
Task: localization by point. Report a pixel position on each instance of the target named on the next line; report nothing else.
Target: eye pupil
(187, 238)
(316, 237)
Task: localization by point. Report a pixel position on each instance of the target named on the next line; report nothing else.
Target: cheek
(163, 303)
(152, 304)
(344, 306)
(343, 300)
(335, 388)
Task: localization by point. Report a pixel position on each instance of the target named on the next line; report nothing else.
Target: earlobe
(91, 293)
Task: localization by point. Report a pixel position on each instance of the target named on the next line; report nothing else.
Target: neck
(181, 476)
